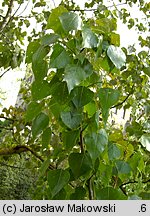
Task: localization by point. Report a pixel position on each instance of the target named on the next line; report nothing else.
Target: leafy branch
(8, 15)
(21, 149)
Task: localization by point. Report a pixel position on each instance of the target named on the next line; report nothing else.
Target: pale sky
(9, 83)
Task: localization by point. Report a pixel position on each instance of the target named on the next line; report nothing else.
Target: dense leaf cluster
(80, 73)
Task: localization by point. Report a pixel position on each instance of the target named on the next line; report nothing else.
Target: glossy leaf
(108, 97)
(81, 96)
(123, 167)
(74, 75)
(40, 90)
(116, 55)
(90, 40)
(40, 69)
(49, 39)
(145, 141)
(79, 194)
(71, 119)
(69, 138)
(110, 193)
(33, 110)
(80, 164)
(31, 49)
(96, 143)
(54, 21)
(39, 124)
(57, 179)
(59, 58)
(113, 151)
(70, 21)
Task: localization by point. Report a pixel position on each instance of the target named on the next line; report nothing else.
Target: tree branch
(20, 149)
(8, 15)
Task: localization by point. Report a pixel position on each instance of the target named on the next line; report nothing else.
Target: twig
(6, 118)
(24, 8)
(4, 72)
(90, 188)
(81, 142)
(20, 149)
(119, 104)
(134, 182)
(8, 14)
(94, 9)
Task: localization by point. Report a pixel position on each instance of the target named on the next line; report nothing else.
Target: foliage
(80, 73)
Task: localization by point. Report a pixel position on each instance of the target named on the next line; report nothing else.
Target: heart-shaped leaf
(71, 119)
(70, 21)
(80, 164)
(39, 124)
(57, 179)
(116, 55)
(96, 143)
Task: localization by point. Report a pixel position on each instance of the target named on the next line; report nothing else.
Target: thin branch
(134, 182)
(20, 149)
(95, 9)
(119, 104)
(8, 15)
(90, 188)
(81, 142)
(24, 8)
(4, 72)
(6, 118)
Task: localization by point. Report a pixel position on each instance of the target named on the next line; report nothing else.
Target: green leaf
(90, 40)
(90, 108)
(96, 143)
(31, 49)
(40, 66)
(40, 90)
(108, 97)
(145, 141)
(113, 151)
(33, 110)
(74, 75)
(60, 96)
(116, 55)
(147, 70)
(69, 138)
(46, 137)
(80, 164)
(115, 39)
(49, 39)
(79, 194)
(61, 195)
(40, 69)
(44, 167)
(54, 21)
(70, 21)
(123, 167)
(71, 119)
(81, 96)
(59, 58)
(39, 124)
(110, 193)
(57, 179)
